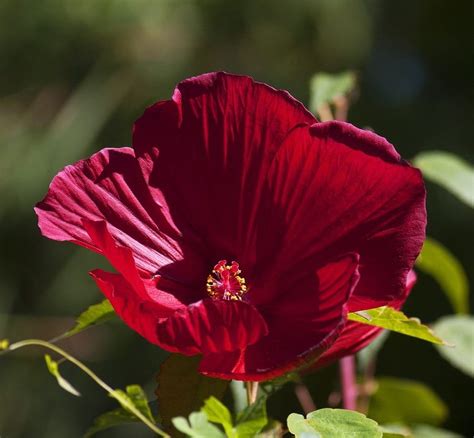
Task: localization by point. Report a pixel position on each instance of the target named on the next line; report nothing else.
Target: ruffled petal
(356, 336)
(301, 325)
(109, 186)
(120, 257)
(142, 302)
(334, 189)
(208, 149)
(149, 288)
(212, 326)
(139, 314)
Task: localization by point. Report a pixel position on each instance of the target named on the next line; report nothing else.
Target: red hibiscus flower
(240, 228)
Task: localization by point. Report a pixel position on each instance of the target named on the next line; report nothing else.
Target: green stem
(122, 400)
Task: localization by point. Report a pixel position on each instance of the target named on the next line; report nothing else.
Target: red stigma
(225, 283)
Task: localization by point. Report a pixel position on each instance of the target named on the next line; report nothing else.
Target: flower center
(225, 283)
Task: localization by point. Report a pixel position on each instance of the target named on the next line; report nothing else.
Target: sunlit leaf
(405, 401)
(135, 395)
(437, 261)
(325, 88)
(252, 419)
(299, 426)
(458, 330)
(53, 368)
(249, 422)
(396, 321)
(218, 413)
(182, 390)
(333, 423)
(95, 314)
(198, 426)
(450, 172)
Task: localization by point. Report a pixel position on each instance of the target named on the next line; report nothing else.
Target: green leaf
(396, 321)
(325, 88)
(395, 431)
(450, 172)
(252, 419)
(95, 314)
(53, 368)
(198, 426)
(458, 330)
(136, 396)
(216, 412)
(182, 390)
(300, 427)
(407, 402)
(333, 423)
(426, 431)
(442, 265)
(249, 422)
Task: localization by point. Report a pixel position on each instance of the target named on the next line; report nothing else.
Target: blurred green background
(76, 74)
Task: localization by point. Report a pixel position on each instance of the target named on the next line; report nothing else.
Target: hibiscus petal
(139, 314)
(301, 325)
(218, 135)
(333, 189)
(356, 336)
(109, 186)
(211, 326)
(121, 258)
